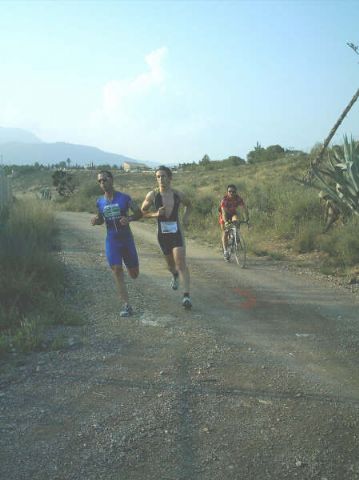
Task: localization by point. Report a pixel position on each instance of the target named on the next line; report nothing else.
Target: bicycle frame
(236, 244)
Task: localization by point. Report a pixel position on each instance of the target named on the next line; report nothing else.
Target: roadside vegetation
(286, 216)
(32, 281)
(286, 213)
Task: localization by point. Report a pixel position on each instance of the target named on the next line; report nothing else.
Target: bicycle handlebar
(229, 225)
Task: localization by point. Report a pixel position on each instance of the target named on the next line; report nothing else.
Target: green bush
(342, 244)
(261, 198)
(204, 205)
(307, 238)
(294, 208)
(28, 336)
(84, 199)
(32, 278)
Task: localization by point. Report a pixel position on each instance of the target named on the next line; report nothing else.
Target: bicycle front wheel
(240, 251)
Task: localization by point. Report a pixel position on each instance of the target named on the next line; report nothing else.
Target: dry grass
(283, 212)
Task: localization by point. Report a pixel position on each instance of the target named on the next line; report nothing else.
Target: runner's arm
(137, 213)
(97, 219)
(147, 204)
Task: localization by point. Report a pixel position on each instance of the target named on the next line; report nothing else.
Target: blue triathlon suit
(120, 245)
(169, 241)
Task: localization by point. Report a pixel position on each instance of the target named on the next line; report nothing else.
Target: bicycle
(236, 244)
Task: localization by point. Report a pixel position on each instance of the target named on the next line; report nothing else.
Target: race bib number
(169, 227)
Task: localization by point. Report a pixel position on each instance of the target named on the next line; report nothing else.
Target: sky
(170, 81)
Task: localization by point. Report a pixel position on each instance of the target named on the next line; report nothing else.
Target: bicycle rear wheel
(240, 251)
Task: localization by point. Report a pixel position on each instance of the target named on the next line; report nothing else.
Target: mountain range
(21, 147)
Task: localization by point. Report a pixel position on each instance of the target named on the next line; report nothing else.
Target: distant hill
(52, 153)
(17, 135)
(20, 147)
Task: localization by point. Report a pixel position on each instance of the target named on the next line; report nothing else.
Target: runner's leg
(179, 256)
(171, 265)
(120, 282)
(133, 272)
(116, 253)
(130, 258)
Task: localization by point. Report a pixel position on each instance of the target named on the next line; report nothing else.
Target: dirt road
(259, 381)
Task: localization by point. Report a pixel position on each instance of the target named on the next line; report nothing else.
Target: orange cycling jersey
(230, 205)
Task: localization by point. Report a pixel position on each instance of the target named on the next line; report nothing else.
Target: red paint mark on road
(247, 300)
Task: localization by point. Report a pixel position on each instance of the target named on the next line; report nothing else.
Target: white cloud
(118, 92)
(155, 76)
(135, 120)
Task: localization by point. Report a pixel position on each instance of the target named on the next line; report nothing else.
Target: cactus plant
(339, 176)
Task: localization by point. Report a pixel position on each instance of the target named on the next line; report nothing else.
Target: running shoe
(186, 302)
(175, 282)
(226, 256)
(126, 311)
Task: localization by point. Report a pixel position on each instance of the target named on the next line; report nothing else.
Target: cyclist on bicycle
(228, 212)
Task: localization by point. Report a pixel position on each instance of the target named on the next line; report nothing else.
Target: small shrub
(32, 277)
(259, 252)
(261, 199)
(4, 344)
(306, 239)
(28, 336)
(67, 316)
(327, 268)
(84, 198)
(276, 255)
(342, 244)
(59, 342)
(204, 205)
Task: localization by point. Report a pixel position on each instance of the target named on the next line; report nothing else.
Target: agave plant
(339, 176)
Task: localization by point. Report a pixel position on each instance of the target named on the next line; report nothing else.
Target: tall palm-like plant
(339, 175)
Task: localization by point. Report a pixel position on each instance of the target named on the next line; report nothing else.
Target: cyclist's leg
(224, 233)
(235, 220)
(224, 238)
